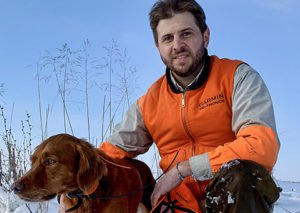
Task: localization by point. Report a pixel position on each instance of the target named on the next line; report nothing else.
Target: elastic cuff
(200, 167)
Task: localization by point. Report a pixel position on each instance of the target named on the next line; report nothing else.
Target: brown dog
(86, 178)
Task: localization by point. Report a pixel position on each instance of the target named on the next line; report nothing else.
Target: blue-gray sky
(264, 34)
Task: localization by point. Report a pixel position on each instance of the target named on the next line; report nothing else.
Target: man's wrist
(183, 169)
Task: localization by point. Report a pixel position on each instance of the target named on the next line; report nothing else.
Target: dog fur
(64, 164)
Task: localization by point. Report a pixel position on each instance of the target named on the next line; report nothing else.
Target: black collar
(200, 81)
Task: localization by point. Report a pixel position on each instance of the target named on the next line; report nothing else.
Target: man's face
(181, 44)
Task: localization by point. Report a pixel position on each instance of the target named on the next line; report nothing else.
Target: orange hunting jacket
(227, 114)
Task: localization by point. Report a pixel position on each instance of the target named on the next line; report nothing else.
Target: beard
(187, 69)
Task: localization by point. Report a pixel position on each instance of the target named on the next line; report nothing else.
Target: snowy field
(289, 202)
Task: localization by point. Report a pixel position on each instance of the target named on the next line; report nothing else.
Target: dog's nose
(18, 187)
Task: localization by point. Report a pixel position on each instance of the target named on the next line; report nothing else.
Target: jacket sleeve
(130, 137)
(253, 123)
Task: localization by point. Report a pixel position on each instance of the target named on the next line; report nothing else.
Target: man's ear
(206, 37)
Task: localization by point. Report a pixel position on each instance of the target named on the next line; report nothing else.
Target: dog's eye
(49, 162)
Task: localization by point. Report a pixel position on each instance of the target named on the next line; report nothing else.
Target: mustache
(180, 51)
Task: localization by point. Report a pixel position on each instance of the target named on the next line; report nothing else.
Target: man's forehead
(179, 22)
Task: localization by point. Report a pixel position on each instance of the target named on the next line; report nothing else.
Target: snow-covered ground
(289, 201)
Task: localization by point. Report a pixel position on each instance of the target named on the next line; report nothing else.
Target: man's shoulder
(246, 71)
(160, 82)
(217, 60)
(240, 67)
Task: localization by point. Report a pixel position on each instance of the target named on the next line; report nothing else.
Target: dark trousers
(241, 186)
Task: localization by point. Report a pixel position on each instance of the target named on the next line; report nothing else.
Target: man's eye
(49, 162)
(167, 39)
(187, 34)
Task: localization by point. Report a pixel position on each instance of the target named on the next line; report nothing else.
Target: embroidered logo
(211, 101)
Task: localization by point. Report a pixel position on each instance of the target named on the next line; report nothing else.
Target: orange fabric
(181, 197)
(113, 163)
(184, 196)
(203, 119)
(207, 108)
(114, 151)
(256, 143)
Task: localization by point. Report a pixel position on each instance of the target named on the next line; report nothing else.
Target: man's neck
(182, 83)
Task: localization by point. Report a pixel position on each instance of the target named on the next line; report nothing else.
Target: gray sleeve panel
(252, 104)
(200, 167)
(130, 134)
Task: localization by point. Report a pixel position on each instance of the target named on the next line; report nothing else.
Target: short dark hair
(164, 9)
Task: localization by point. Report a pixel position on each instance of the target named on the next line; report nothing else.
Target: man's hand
(169, 181)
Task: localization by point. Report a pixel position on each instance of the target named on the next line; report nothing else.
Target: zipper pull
(183, 100)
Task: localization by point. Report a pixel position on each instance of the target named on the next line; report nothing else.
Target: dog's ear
(90, 168)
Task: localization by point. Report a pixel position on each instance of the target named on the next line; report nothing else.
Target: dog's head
(61, 164)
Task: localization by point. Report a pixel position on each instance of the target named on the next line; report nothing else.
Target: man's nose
(178, 43)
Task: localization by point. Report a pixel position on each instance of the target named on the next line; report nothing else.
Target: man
(204, 112)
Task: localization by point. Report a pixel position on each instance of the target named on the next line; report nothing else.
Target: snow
(230, 198)
(289, 201)
(230, 164)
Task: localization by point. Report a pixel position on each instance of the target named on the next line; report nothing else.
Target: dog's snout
(18, 187)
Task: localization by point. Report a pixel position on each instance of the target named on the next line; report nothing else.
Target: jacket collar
(199, 81)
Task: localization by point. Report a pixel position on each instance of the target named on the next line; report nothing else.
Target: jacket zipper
(183, 100)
